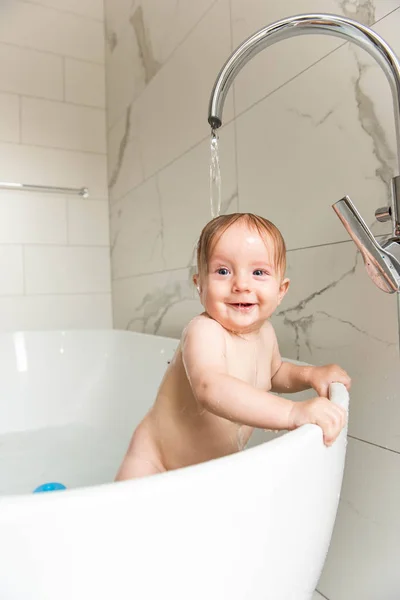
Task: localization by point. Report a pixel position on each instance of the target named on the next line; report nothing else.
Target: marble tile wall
(54, 249)
(306, 122)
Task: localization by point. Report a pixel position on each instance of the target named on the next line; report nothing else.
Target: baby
(219, 383)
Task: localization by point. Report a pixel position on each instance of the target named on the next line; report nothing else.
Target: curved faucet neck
(334, 25)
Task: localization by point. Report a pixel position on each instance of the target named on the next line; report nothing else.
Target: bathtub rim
(75, 331)
(309, 433)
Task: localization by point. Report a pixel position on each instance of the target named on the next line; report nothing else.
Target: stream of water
(215, 177)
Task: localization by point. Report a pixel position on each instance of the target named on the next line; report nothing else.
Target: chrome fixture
(382, 261)
(26, 187)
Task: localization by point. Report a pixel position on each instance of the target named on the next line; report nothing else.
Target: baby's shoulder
(203, 339)
(202, 324)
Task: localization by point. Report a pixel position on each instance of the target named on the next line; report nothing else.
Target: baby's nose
(241, 282)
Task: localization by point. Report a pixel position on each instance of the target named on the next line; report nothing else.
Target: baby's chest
(254, 368)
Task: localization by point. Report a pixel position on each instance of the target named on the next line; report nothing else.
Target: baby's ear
(196, 280)
(283, 288)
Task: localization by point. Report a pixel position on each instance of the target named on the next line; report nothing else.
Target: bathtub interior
(70, 401)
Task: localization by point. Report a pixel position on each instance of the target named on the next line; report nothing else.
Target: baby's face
(242, 287)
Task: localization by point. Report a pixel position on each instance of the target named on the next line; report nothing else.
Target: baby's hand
(319, 411)
(321, 377)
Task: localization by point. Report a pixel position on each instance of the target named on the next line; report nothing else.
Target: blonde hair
(212, 232)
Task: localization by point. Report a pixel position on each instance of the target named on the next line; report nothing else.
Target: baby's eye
(259, 272)
(223, 271)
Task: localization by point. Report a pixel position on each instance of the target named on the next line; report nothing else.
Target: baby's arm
(288, 377)
(203, 350)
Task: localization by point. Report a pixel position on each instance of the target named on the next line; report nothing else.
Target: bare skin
(179, 430)
(218, 386)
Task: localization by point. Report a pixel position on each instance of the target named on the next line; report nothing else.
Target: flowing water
(215, 177)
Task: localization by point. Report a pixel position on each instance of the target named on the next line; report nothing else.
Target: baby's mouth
(242, 306)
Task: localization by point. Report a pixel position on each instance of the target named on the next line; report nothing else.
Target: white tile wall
(85, 83)
(125, 162)
(131, 62)
(30, 25)
(167, 24)
(365, 550)
(313, 122)
(31, 218)
(31, 73)
(184, 85)
(62, 311)
(319, 111)
(326, 318)
(89, 8)
(125, 78)
(61, 125)
(117, 15)
(88, 222)
(63, 270)
(54, 248)
(158, 303)
(137, 233)
(54, 167)
(9, 118)
(12, 271)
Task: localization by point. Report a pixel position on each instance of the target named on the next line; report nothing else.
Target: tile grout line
(54, 245)
(72, 150)
(51, 53)
(353, 437)
(54, 100)
(62, 11)
(44, 294)
(64, 102)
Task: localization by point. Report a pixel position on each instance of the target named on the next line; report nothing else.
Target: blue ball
(49, 487)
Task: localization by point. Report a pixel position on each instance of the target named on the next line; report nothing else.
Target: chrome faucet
(382, 260)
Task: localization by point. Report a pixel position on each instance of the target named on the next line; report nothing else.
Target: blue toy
(49, 487)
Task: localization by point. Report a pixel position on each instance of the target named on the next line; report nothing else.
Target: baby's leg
(136, 466)
(142, 457)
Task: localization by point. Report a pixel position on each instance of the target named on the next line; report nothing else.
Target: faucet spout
(378, 259)
(334, 25)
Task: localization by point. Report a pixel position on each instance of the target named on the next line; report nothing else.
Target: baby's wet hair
(216, 227)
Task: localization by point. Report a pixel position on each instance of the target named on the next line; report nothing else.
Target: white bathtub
(252, 526)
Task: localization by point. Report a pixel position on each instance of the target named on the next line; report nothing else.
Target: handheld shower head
(382, 266)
